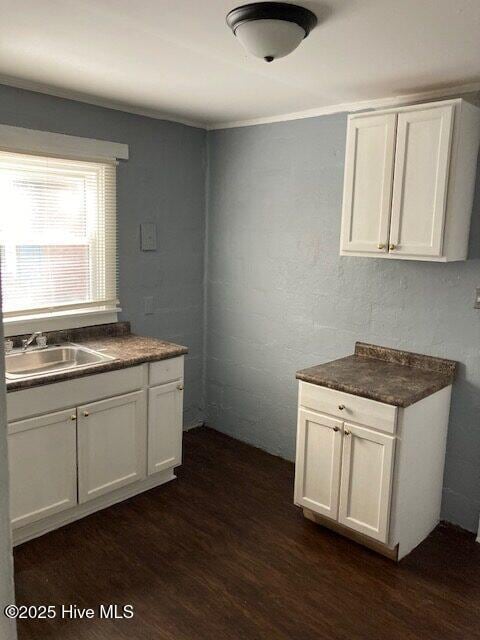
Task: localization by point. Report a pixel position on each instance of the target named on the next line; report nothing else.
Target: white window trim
(31, 141)
(21, 140)
(56, 321)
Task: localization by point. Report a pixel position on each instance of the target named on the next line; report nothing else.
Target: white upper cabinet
(368, 183)
(409, 182)
(422, 161)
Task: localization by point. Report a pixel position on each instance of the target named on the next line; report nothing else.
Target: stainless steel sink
(41, 362)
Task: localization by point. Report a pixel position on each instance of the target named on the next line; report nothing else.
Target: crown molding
(345, 107)
(77, 96)
(352, 107)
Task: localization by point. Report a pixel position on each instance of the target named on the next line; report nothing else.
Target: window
(57, 236)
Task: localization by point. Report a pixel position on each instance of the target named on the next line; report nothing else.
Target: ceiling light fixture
(271, 30)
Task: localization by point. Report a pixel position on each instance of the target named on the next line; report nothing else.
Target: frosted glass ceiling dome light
(271, 30)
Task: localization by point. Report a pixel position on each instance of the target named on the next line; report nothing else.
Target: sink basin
(41, 362)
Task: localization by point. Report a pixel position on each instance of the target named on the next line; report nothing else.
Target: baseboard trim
(195, 425)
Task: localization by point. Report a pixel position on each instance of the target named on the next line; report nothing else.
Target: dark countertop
(399, 378)
(114, 340)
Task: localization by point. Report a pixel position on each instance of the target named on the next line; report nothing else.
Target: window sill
(54, 322)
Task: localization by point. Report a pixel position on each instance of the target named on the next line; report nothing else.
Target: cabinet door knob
(86, 414)
(180, 387)
(341, 407)
(392, 247)
(381, 246)
(73, 417)
(347, 432)
(336, 429)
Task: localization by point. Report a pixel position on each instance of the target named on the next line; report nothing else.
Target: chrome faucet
(26, 342)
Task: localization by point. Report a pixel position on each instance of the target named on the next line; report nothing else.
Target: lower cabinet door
(317, 472)
(42, 455)
(165, 426)
(111, 444)
(367, 467)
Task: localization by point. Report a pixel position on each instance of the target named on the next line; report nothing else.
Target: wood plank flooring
(222, 554)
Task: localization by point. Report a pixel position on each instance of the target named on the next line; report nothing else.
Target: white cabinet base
(93, 430)
(111, 444)
(366, 541)
(29, 532)
(43, 466)
(165, 417)
(385, 477)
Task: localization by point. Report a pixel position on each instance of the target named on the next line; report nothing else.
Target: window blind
(57, 235)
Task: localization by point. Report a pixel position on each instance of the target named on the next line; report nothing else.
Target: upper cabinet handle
(381, 246)
(392, 247)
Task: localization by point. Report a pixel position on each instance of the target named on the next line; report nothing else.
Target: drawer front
(165, 371)
(71, 393)
(348, 407)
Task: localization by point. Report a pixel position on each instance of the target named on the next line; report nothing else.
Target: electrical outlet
(477, 298)
(148, 236)
(148, 305)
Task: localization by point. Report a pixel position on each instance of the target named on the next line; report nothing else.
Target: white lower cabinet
(122, 436)
(165, 419)
(367, 466)
(319, 449)
(111, 444)
(344, 472)
(43, 466)
(380, 482)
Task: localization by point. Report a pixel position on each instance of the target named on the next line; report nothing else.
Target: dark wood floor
(222, 554)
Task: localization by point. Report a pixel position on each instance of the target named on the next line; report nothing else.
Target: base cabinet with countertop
(370, 469)
(80, 445)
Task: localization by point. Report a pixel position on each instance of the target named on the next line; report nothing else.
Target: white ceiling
(178, 59)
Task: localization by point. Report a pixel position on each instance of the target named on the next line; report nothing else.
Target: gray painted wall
(280, 298)
(162, 182)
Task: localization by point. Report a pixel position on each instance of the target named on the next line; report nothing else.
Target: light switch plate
(148, 236)
(477, 298)
(148, 305)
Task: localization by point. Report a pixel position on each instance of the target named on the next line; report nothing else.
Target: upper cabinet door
(367, 468)
(421, 178)
(367, 194)
(317, 476)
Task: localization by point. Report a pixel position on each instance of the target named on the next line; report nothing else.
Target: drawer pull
(86, 414)
(180, 387)
(341, 407)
